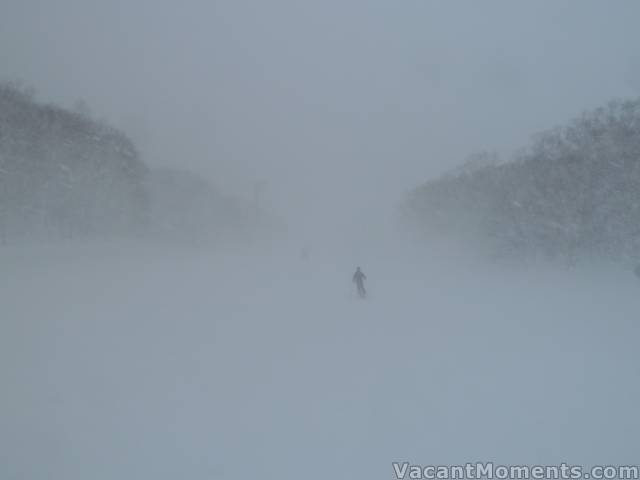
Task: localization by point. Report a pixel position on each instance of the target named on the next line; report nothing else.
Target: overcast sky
(338, 105)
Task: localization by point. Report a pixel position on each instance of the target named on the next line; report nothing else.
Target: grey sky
(339, 106)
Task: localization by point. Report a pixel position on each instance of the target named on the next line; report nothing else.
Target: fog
(180, 228)
(362, 99)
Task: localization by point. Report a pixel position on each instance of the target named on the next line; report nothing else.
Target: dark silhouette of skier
(358, 279)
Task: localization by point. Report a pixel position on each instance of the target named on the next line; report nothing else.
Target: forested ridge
(66, 175)
(573, 193)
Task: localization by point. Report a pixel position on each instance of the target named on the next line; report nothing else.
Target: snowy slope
(122, 362)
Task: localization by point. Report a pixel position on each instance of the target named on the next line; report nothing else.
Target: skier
(358, 279)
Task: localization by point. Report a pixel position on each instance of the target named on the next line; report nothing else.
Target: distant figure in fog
(358, 279)
(637, 271)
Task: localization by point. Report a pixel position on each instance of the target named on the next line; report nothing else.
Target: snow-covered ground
(123, 362)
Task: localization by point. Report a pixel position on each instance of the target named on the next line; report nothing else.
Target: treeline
(575, 192)
(184, 206)
(65, 175)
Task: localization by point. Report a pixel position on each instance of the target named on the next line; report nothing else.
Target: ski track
(126, 363)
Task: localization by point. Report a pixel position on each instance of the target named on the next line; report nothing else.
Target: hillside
(64, 175)
(574, 193)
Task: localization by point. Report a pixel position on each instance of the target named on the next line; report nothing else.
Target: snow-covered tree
(574, 192)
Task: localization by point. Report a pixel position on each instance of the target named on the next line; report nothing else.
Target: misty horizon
(329, 93)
